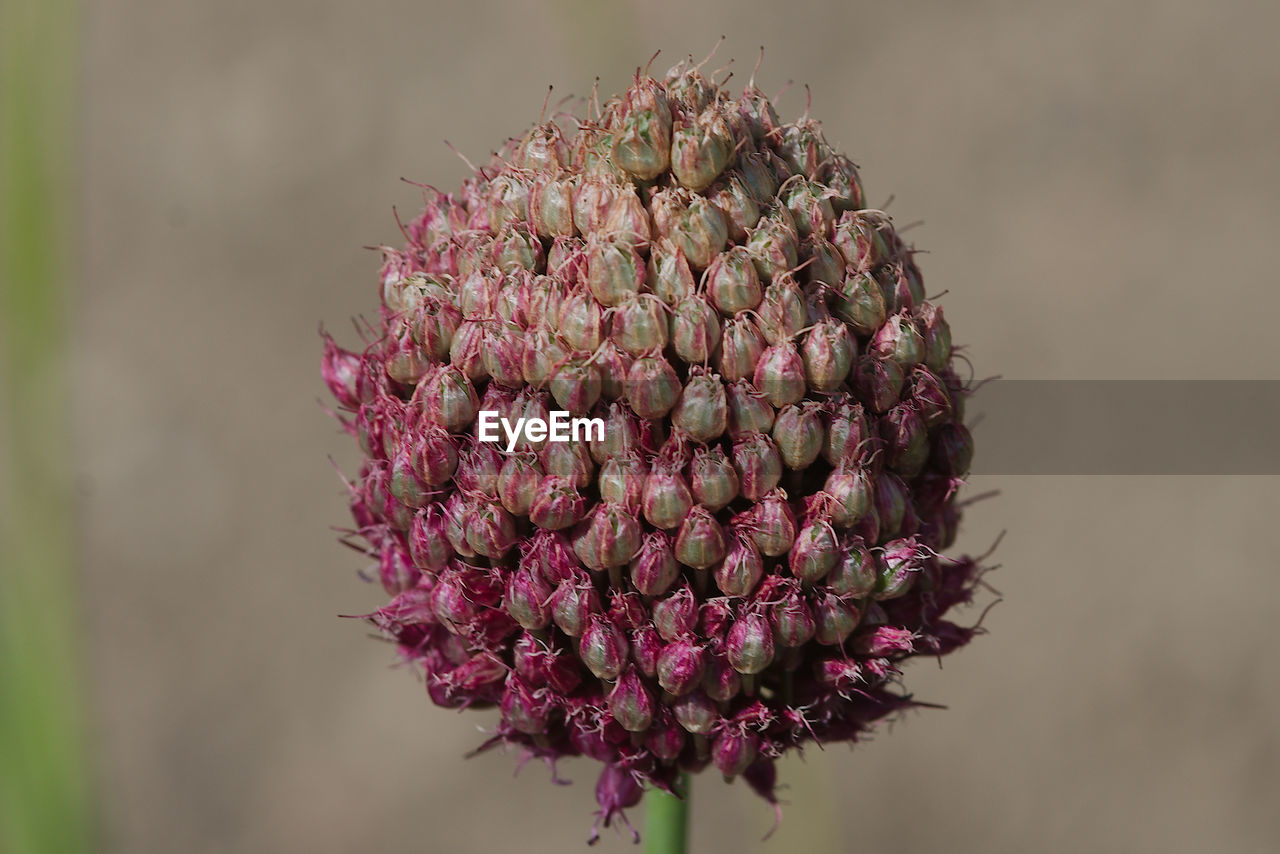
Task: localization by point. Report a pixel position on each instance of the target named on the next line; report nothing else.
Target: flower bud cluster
(743, 561)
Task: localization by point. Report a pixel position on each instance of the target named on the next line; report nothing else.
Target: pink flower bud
(523, 710)
(640, 324)
(721, 682)
(741, 348)
(770, 524)
(810, 205)
(878, 382)
(627, 609)
(759, 466)
(341, 371)
(615, 791)
(621, 481)
(515, 249)
(692, 223)
(855, 572)
(840, 674)
(428, 542)
(929, 396)
(491, 531)
(610, 536)
(891, 498)
(742, 567)
(797, 432)
(448, 399)
(556, 504)
(627, 220)
(732, 752)
(900, 562)
(518, 481)
(508, 201)
(615, 271)
(457, 509)
(906, 440)
(733, 195)
(860, 303)
(712, 478)
(624, 435)
(478, 295)
(503, 353)
(828, 353)
(851, 494)
(541, 355)
(652, 386)
(899, 340)
(774, 244)
(631, 703)
(479, 465)
(668, 274)
(793, 621)
(603, 649)
(569, 460)
(701, 542)
(654, 569)
(884, 641)
(681, 666)
(858, 236)
(549, 555)
(452, 603)
(551, 205)
(404, 482)
(581, 323)
(701, 149)
(591, 203)
(780, 375)
(642, 131)
(395, 569)
(613, 365)
(667, 498)
(846, 431)
(696, 713)
(573, 604)
(836, 619)
(715, 618)
(666, 738)
(466, 352)
(436, 323)
(702, 411)
(749, 410)
(528, 600)
(646, 646)
(952, 452)
(732, 283)
(815, 551)
(576, 385)
(936, 335)
(676, 616)
(435, 455)
(749, 645)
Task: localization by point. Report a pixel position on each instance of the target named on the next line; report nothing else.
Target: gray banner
(1126, 427)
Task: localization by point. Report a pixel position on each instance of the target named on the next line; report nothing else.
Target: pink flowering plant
(745, 544)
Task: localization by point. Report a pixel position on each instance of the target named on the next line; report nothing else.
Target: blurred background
(1098, 185)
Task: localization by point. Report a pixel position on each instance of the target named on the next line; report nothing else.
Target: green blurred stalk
(666, 821)
(44, 804)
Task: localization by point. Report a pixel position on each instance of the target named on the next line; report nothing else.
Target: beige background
(1099, 185)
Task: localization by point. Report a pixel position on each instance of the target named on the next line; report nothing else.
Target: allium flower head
(739, 562)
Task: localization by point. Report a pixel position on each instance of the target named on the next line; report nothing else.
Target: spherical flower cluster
(740, 562)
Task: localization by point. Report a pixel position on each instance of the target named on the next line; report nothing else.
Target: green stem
(44, 792)
(667, 820)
